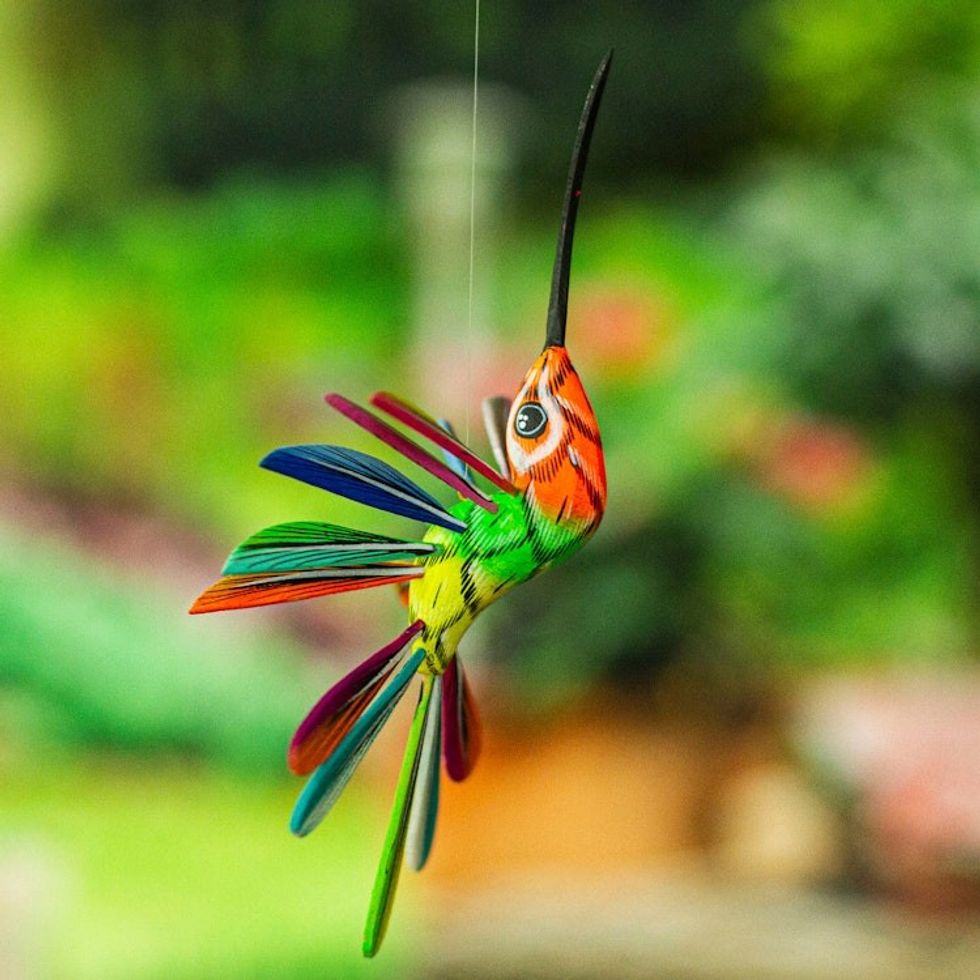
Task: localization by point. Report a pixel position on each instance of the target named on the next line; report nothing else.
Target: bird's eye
(530, 420)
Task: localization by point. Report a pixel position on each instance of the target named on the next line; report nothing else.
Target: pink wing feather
(379, 428)
(333, 716)
(416, 419)
(461, 730)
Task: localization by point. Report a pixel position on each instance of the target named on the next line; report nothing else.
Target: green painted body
(474, 568)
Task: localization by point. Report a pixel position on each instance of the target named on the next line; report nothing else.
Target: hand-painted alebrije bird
(550, 502)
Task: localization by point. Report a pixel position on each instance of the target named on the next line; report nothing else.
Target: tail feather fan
(333, 716)
(329, 780)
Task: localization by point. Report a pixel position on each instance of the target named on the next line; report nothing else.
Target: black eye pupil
(531, 419)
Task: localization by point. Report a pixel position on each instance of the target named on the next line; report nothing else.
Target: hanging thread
(469, 310)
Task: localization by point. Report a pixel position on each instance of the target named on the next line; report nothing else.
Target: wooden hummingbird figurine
(547, 505)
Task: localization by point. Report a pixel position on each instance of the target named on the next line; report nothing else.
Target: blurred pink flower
(908, 753)
(813, 464)
(619, 329)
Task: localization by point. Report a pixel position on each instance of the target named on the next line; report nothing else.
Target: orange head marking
(553, 444)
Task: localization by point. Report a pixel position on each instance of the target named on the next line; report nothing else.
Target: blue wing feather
(360, 477)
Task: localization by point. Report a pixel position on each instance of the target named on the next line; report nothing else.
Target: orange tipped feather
(304, 757)
(248, 591)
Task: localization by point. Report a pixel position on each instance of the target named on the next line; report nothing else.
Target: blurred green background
(752, 699)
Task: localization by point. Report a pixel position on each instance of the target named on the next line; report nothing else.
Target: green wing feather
(303, 545)
(386, 881)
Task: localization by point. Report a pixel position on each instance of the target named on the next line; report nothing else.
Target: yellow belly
(437, 599)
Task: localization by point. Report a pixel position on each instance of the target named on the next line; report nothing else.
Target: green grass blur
(157, 870)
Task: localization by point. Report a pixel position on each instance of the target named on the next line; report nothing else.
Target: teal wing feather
(302, 545)
(329, 779)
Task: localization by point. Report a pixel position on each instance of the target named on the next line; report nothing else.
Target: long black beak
(558, 304)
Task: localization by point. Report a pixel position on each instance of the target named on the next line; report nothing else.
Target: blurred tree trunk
(25, 119)
(76, 108)
(434, 157)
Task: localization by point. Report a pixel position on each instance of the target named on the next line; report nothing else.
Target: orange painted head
(553, 445)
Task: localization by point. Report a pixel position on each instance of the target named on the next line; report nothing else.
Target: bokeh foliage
(809, 316)
(775, 307)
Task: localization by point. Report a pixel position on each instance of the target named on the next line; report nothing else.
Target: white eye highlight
(530, 420)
